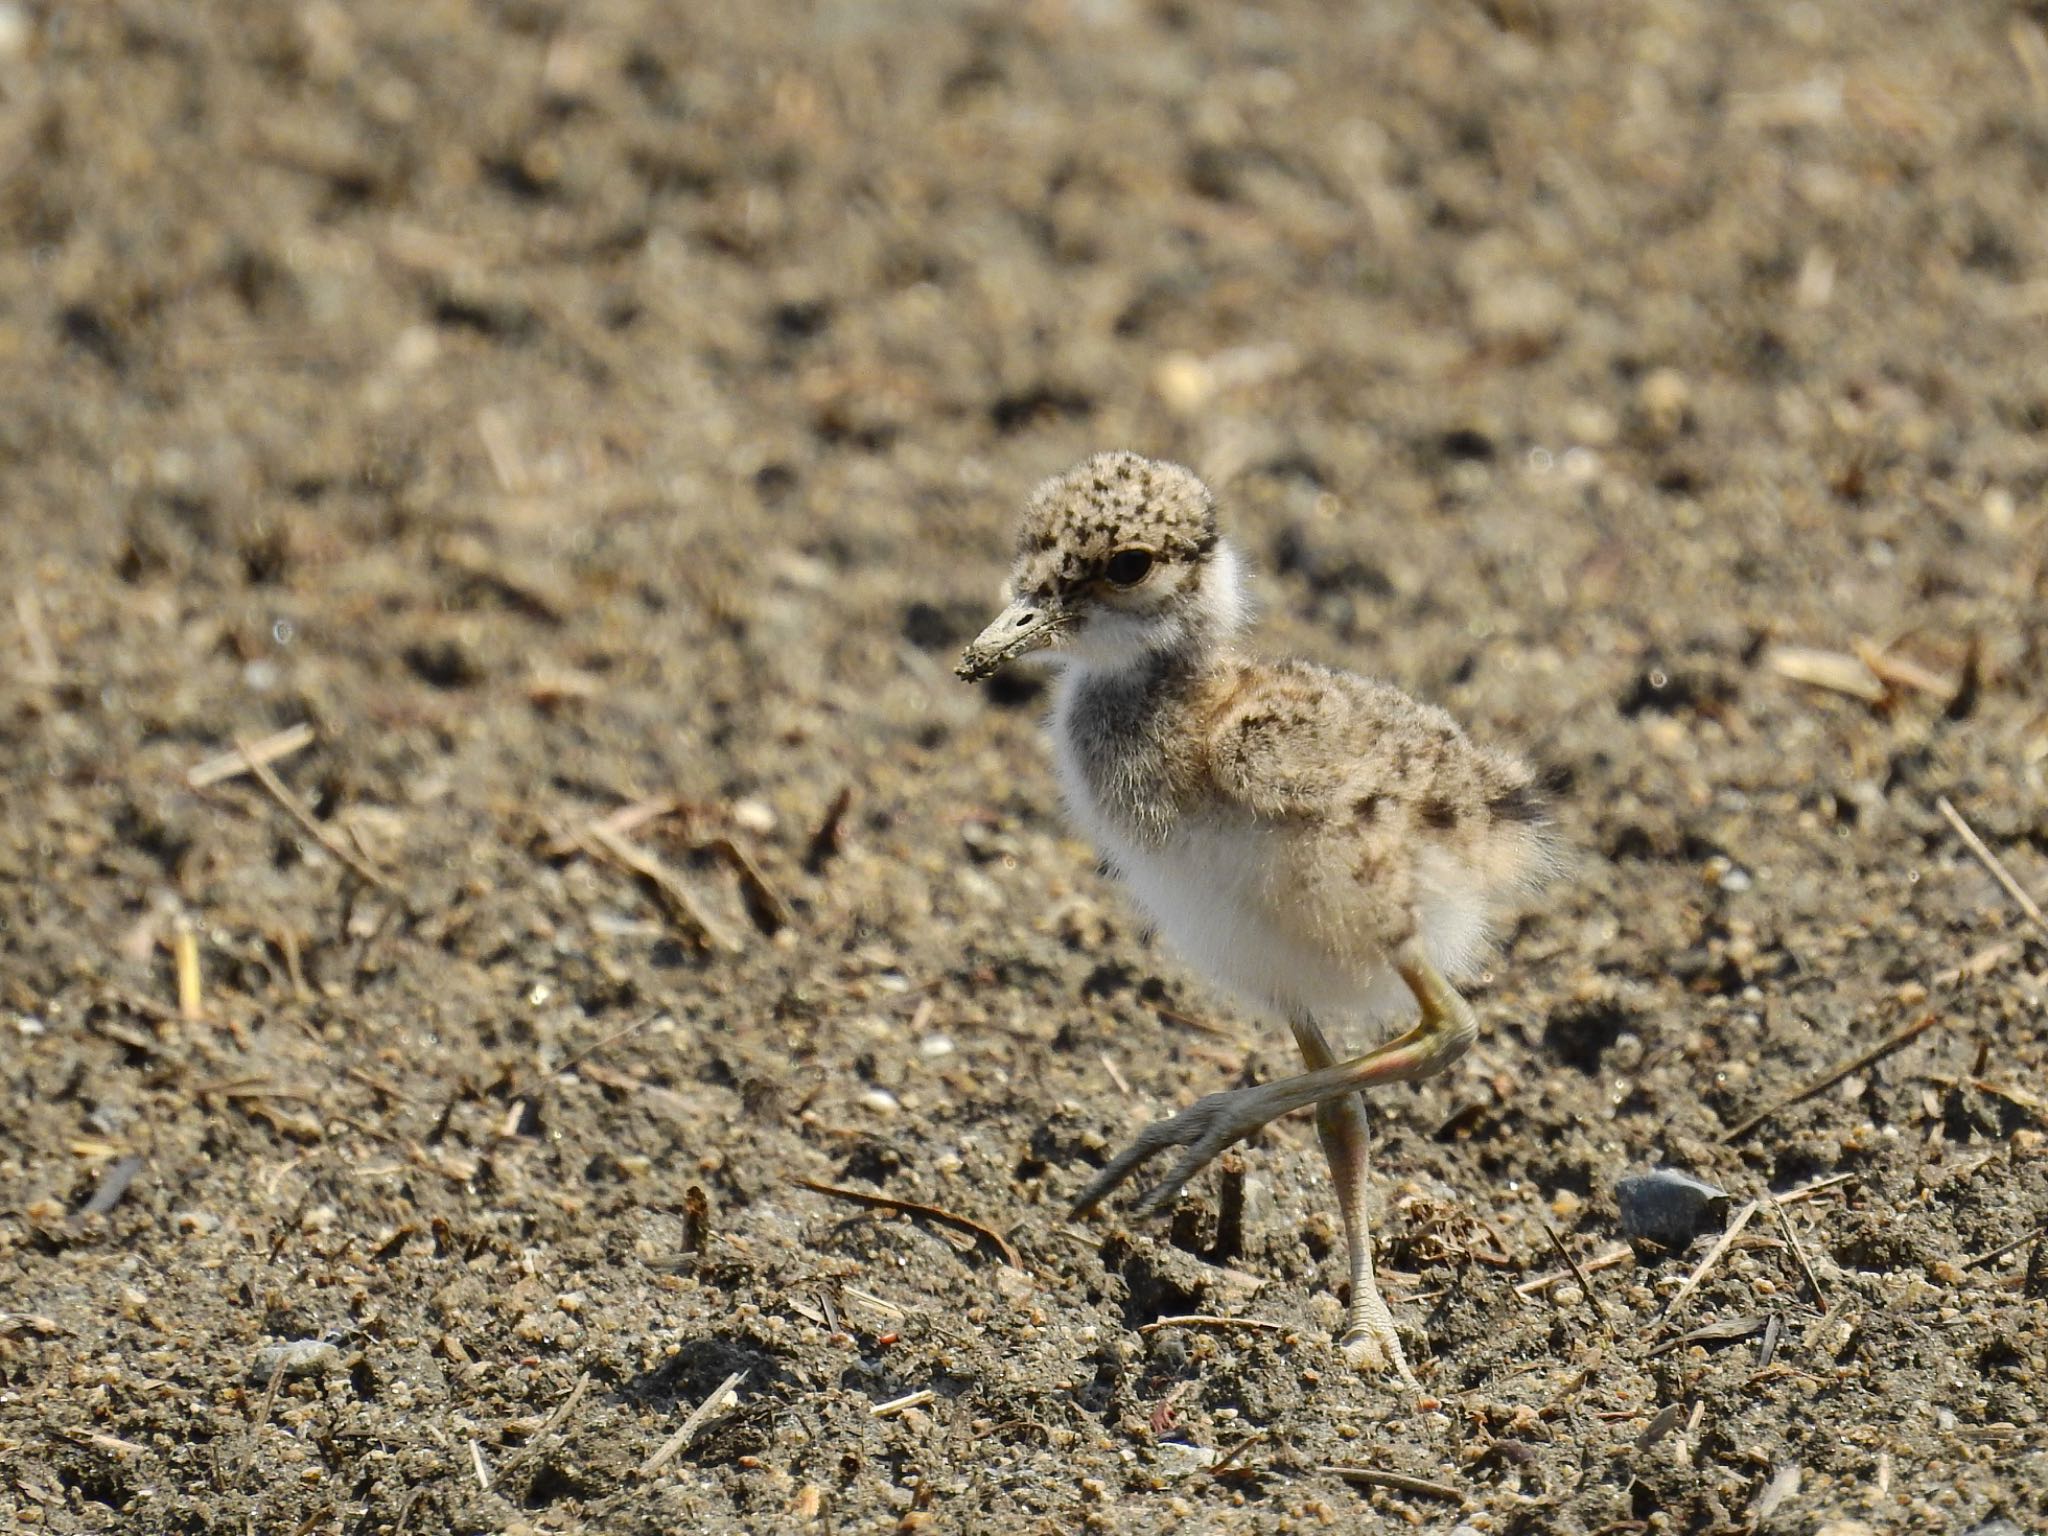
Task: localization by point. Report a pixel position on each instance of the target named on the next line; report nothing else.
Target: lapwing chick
(1317, 843)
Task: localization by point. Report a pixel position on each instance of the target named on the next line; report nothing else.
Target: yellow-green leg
(1369, 1341)
(1443, 1034)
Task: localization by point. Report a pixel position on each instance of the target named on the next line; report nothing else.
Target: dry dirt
(567, 408)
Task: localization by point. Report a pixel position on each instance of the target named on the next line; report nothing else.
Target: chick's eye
(1128, 567)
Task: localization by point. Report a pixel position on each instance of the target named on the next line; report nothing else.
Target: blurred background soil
(599, 424)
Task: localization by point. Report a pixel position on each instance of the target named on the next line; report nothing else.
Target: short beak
(1023, 626)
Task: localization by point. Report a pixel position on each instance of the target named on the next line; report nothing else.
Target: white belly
(1216, 903)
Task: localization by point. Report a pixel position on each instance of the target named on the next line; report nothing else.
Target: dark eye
(1128, 567)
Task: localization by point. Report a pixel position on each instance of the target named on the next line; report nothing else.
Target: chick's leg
(1368, 1340)
(1443, 1034)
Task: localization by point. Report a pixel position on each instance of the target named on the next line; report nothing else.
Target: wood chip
(1833, 670)
(265, 749)
(1784, 1484)
(1662, 1425)
(1723, 1332)
(113, 1445)
(891, 1409)
(1774, 1328)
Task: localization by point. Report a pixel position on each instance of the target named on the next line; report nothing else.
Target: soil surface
(600, 425)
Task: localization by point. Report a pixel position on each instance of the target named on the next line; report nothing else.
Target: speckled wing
(1281, 741)
(1377, 784)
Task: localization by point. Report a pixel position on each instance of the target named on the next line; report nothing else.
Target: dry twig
(1721, 1246)
(256, 1426)
(676, 1443)
(895, 1406)
(1578, 1274)
(1620, 1253)
(1206, 1320)
(577, 1058)
(35, 640)
(1828, 1080)
(1991, 861)
(185, 955)
(1242, 1444)
(932, 1213)
(1901, 672)
(673, 890)
(768, 910)
(829, 839)
(554, 1421)
(1812, 1280)
(2012, 1247)
(274, 786)
(1400, 1482)
(1817, 1187)
(625, 821)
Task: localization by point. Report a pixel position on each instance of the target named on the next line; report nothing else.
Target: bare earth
(619, 410)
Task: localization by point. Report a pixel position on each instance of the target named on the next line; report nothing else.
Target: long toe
(1375, 1349)
(1150, 1142)
(1198, 1156)
(1206, 1127)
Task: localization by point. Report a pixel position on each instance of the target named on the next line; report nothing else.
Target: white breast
(1211, 891)
(1216, 893)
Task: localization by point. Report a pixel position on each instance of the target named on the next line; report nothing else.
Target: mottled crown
(1075, 521)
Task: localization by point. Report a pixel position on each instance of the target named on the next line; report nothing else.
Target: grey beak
(1023, 626)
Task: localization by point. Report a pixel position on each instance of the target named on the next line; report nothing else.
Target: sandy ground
(601, 423)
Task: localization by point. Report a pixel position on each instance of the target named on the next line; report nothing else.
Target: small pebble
(16, 30)
(1178, 1460)
(753, 816)
(293, 1360)
(1669, 1208)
